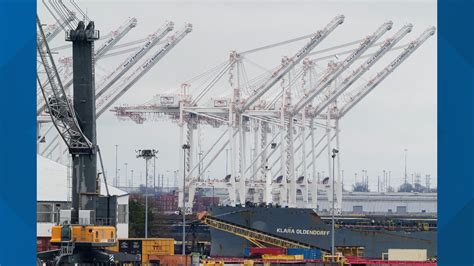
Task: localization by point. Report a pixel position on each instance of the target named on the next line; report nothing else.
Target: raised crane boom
(385, 47)
(109, 43)
(371, 84)
(116, 36)
(289, 64)
(107, 101)
(334, 72)
(56, 28)
(60, 109)
(132, 60)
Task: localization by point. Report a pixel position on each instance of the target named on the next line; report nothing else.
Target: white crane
(335, 71)
(54, 29)
(261, 120)
(293, 61)
(348, 81)
(116, 36)
(287, 147)
(133, 59)
(379, 77)
(106, 101)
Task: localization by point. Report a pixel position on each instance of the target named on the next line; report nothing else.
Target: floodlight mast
(147, 155)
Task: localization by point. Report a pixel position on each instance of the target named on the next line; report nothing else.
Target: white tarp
(51, 181)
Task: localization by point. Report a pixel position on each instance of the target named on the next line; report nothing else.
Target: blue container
(246, 252)
(308, 254)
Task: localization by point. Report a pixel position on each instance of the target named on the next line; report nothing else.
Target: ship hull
(306, 226)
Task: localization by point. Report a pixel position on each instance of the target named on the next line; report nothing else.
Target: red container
(268, 251)
(42, 244)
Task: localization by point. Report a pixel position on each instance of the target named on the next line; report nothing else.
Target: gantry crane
(240, 105)
(263, 117)
(85, 228)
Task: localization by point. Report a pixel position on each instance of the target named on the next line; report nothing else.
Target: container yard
(241, 163)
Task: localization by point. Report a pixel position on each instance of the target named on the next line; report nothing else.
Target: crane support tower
(84, 163)
(84, 231)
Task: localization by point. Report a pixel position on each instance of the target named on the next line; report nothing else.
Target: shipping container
(43, 244)
(170, 260)
(308, 254)
(407, 254)
(130, 246)
(270, 251)
(145, 247)
(247, 252)
(282, 257)
(158, 246)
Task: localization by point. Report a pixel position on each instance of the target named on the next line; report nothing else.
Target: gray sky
(400, 113)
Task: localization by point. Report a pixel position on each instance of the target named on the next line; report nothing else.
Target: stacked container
(308, 254)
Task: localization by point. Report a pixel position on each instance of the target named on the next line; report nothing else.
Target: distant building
(202, 203)
(383, 202)
(53, 191)
(166, 203)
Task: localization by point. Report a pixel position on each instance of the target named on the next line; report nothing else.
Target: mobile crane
(88, 228)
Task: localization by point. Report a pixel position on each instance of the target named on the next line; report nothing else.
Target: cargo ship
(373, 235)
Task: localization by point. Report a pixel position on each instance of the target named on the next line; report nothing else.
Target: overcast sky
(400, 113)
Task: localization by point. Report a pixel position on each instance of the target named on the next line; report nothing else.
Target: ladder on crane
(255, 236)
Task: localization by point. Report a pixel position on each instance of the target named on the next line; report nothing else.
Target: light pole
(154, 175)
(334, 152)
(116, 164)
(389, 174)
(147, 155)
(183, 209)
(406, 150)
(126, 173)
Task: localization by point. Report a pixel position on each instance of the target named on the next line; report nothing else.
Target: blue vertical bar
(455, 132)
(17, 132)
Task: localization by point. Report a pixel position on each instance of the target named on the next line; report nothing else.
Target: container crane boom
(337, 70)
(133, 59)
(385, 47)
(379, 77)
(109, 43)
(56, 28)
(289, 64)
(116, 36)
(107, 101)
